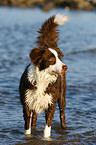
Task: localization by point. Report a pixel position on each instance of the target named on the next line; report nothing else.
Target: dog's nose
(64, 67)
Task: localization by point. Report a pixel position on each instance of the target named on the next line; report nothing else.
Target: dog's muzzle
(64, 69)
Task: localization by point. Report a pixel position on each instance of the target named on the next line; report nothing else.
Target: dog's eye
(52, 59)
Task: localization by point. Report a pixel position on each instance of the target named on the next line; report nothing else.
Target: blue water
(18, 31)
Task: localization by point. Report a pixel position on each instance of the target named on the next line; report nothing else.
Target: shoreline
(46, 5)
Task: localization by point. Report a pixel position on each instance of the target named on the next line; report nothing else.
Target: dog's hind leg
(62, 100)
(62, 113)
(61, 105)
(49, 118)
(27, 118)
(62, 118)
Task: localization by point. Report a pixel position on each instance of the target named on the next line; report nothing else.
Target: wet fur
(39, 88)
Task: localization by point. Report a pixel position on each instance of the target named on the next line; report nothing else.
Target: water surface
(78, 43)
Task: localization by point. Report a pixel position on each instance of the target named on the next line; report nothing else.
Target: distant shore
(46, 5)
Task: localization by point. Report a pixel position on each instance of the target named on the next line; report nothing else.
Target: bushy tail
(48, 34)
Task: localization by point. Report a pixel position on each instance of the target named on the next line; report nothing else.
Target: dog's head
(47, 59)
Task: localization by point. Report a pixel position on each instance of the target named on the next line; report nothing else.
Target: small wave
(1, 102)
(85, 51)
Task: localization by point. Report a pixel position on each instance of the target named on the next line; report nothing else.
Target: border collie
(43, 82)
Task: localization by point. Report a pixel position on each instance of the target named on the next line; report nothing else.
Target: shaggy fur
(37, 100)
(43, 82)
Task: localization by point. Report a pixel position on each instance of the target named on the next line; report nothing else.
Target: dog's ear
(36, 55)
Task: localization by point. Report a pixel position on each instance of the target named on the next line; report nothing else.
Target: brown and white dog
(43, 82)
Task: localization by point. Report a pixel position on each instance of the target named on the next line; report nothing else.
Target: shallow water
(78, 42)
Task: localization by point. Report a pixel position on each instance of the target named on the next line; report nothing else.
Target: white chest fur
(36, 99)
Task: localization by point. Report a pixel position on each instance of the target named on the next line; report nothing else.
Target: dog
(43, 82)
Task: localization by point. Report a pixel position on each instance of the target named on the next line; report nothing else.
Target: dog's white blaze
(37, 99)
(57, 67)
(47, 131)
(60, 19)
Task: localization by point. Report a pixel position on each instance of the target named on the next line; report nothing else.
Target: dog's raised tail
(60, 19)
(48, 34)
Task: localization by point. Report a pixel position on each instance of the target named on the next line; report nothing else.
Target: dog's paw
(28, 131)
(47, 131)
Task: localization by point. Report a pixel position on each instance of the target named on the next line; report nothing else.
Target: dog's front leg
(34, 119)
(49, 114)
(27, 118)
